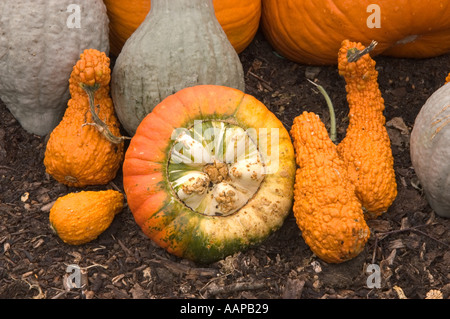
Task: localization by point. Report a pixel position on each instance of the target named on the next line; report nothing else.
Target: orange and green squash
(213, 180)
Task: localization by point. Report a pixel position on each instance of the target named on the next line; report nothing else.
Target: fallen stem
(331, 110)
(98, 123)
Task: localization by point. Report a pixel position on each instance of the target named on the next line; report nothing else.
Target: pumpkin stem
(98, 123)
(331, 110)
(354, 54)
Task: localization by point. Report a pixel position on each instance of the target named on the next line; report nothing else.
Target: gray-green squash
(430, 150)
(40, 41)
(180, 44)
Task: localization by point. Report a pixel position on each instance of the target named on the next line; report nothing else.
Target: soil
(409, 243)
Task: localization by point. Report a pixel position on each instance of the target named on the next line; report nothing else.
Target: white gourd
(179, 44)
(430, 150)
(40, 41)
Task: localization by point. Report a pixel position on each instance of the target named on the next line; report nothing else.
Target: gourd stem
(331, 110)
(98, 123)
(354, 54)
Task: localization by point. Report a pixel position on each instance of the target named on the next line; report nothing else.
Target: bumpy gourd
(180, 44)
(430, 151)
(239, 19)
(338, 187)
(311, 32)
(366, 147)
(326, 209)
(78, 218)
(40, 41)
(213, 180)
(77, 152)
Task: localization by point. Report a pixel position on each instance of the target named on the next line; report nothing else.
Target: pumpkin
(78, 218)
(213, 180)
(239, 20)
(180, 44)
(83, 150)
(366, 147)
(430, 151)
(40, 41)
(310, 32)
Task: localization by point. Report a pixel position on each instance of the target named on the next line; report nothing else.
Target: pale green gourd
(180, 44)
(40, 41)
(430, 150)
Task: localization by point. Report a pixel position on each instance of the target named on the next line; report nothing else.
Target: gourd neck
(170, 6)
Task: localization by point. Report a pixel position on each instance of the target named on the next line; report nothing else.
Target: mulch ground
(410, 243)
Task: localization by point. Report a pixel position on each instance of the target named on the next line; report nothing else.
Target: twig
(381, 235)
(214, 290)
(261, 79)
(180, 268)
(98, 123)
(7, 167)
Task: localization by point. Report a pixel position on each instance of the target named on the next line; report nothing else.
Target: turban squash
(239, 19)
(430, 150)
(212, 180)
(310, 32)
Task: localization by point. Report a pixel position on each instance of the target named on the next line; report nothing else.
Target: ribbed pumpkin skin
(37, 52)
(79, 218)
(310, 32)
(239, 19)
(430, 151)
(180, 44)
(157, 209)
(78, 154)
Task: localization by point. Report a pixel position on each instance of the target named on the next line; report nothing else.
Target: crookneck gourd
(339, 186)
(86, 148)
(326, 208)
(366, 147)
(214, 179)
(40, 41)
(78, 218)
(239, 19)
(311, 32)
(430, 149)
(179, 44)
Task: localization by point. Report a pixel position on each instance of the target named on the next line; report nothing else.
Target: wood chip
(400, 293)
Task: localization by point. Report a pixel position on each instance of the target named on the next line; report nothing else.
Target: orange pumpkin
(311, 32)
(239, 20)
